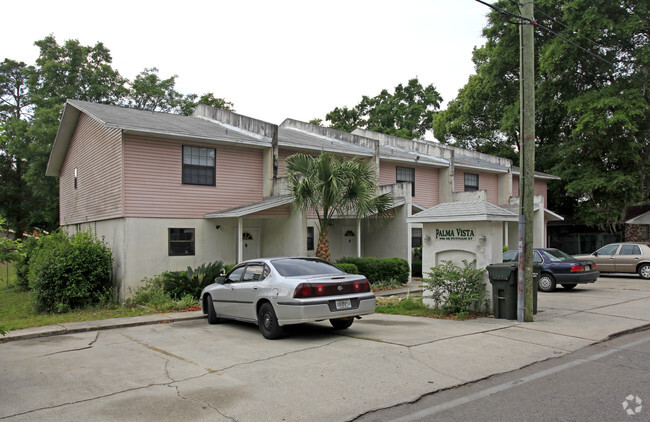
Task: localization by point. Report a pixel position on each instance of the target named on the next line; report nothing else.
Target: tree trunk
(323, 249)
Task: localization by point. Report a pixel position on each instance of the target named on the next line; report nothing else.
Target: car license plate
(587, 267)
(343, 304)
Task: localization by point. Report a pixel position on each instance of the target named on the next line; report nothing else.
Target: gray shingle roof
(165, 124)
(295, 138)
(391, 153)
(463, 211)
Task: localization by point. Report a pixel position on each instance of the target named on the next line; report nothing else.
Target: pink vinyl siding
(541, 188)
(486, 181)
(154, 188)
(96, 153)
(515, 186)
(427, 191)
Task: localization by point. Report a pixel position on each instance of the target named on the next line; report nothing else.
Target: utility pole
(527, 157)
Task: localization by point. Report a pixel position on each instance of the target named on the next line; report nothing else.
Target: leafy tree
(407, 112)
(149, 92)
(592, 102)
(333, 187)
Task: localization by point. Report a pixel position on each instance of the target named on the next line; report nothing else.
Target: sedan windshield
(556, 255)
(304, 266)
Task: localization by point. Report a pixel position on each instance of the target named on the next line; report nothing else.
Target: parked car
(625, 257)
(559, 268)
(276, 292)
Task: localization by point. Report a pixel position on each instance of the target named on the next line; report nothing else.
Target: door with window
(628, 258)
(250, 244)
(349, 243)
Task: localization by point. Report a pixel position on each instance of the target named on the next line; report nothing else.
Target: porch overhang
(247, 210)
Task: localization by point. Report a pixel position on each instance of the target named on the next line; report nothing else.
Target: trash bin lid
(501, 271)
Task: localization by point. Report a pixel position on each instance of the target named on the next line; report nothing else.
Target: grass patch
(17, 309)
(413, 306)
(379, 286)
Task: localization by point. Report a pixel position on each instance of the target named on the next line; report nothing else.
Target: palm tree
(333, 187)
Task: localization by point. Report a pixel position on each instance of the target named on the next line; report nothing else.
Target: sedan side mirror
(221, 279)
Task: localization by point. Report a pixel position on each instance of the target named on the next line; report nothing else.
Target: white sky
(272, 59)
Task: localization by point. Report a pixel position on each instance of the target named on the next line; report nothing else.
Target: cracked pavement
(194, 371)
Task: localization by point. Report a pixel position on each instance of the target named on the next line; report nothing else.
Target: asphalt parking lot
(193, 371)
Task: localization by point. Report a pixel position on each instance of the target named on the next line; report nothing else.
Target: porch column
(240, 231)
(358, 238)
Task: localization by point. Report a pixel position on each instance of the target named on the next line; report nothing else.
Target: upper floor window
(406, 174)
(181, 242)
(199, 165)
(471, 182)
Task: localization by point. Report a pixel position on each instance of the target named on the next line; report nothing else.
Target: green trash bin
(504, 278)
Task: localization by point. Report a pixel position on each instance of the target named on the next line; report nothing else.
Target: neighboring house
(637, 229)
(167, 191)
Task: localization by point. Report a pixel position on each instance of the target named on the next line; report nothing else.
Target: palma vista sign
(455, 234)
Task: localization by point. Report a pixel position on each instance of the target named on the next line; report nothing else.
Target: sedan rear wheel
(268, 322)
(569, 286)
(644, 271)
(341, 323)
(546, 283)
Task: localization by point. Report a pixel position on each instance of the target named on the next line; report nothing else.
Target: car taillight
(594, 266)
(577, 268)
(320, 290)
(303, 290)
(361, 286)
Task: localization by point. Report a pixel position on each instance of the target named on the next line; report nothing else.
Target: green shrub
(191, 281)
(454, 289)
(380, 269)
(152, 294)
(70, 272)
(348, 268)
(27, 248)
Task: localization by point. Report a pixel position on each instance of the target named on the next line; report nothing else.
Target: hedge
(380, 269)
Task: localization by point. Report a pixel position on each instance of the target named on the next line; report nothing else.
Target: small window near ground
(310, 238)
(416, 237)
(406, 174)
(199, 165)
(471, 182)
(181, 242)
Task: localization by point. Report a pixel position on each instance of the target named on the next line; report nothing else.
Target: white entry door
(250, 244)
(349, 242)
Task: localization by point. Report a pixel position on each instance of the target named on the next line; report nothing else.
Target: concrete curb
(104, 324)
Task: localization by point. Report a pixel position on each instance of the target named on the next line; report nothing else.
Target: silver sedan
(275, 292)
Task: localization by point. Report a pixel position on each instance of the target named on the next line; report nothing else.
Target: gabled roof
(640, 219)
(538, 174)
(292, 137)
(141, 122)
(463, 211)
(471, 163)
(392, 153)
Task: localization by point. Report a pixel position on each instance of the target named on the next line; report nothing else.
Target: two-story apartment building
(167, 191)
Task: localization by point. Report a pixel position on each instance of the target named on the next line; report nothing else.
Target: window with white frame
(406, 174)
(181, 242)
(199, 165)
(471, 182)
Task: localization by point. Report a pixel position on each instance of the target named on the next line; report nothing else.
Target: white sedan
(274, 292)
